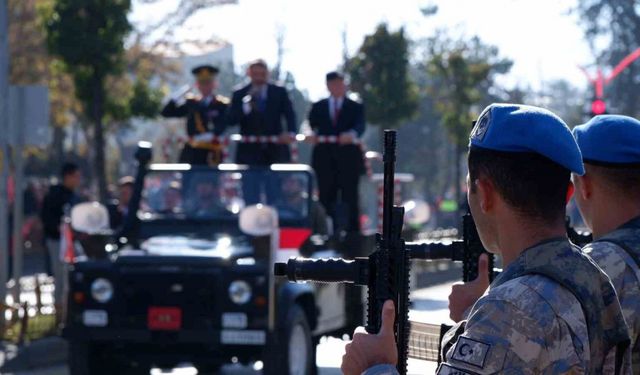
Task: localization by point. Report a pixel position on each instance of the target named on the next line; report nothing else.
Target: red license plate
(164, 318)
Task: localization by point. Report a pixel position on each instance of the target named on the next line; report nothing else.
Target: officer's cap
(205, 72)
(610, 140)
(522, 128)
(334, 75)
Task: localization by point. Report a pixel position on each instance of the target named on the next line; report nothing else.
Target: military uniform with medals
(205, 120)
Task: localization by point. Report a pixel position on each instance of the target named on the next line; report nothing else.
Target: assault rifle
(386, 271)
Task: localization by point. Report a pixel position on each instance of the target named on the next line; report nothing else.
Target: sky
(540, 36)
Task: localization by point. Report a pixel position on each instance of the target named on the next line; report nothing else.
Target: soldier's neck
(516, 234)
(609, 214)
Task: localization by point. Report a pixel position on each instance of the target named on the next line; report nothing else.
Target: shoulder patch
(471, 352)
(445, 369)
(482, 126)
(222, 99)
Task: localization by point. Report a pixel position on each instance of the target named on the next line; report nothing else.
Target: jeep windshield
(214, 194)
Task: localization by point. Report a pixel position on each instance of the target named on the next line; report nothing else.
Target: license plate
(234, 320)
(239, 337)
(95, 318)
(164, 318)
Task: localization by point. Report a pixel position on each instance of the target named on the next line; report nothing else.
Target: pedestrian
(551, 310)
(608, 197)
(260, 108)
(59, 198)
(119, 208)
(338, 165)
(205, 113)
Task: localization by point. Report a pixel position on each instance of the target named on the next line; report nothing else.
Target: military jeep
(187, 279)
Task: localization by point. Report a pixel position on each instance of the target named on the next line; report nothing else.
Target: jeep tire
(294, 352)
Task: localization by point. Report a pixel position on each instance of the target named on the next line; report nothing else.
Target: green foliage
(379, 73)
(146, 101)
(464, 73)
(88, 36)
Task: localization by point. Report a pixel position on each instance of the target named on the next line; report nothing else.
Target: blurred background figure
(205, 113)
(59, 198)
(119, 208)
(259, 109)
(204, 199)
(338, 165)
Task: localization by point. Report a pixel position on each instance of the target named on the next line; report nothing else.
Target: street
(428, 305)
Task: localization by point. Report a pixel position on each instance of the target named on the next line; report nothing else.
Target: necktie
(336, 112)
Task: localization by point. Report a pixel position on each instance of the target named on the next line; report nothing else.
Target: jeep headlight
(102, 290)
(239, 292)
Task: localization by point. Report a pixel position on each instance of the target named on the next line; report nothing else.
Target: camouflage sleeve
(501, 338)
(381, 370)
(619, 266)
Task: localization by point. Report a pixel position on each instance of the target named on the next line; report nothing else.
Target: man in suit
(205, 115)
(338, 165)
(259, 109)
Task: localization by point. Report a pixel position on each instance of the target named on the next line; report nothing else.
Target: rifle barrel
(331, 270)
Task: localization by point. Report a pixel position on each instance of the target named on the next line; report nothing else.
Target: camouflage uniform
(624, 272)
(530, 324)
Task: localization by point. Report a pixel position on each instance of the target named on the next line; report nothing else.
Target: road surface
(428, 305)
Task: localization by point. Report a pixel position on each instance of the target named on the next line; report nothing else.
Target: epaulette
(192, 96)
(223, 99)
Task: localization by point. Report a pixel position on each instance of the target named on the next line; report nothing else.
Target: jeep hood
(171, 246)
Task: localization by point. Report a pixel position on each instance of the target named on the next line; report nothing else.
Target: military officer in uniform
(608, 197)
(551, 310)
(338, 165)
(260, 108)
(205, 115)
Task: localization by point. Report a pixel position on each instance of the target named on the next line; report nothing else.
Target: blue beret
(522, 128)
(609, 139)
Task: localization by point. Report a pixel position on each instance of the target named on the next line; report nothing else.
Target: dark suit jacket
(351, 118)
(212, 116)
(269, 122)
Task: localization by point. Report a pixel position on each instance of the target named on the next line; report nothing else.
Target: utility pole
(4, 147)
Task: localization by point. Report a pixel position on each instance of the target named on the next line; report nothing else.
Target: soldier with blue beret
(608, 197)
(551, 310)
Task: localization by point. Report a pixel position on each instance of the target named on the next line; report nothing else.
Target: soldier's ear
(584, 186)
(487, 194)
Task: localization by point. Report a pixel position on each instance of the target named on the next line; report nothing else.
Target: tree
(31, 64)
(88, 36)
(464, 75)
(615, 24)
(380, 74)
(182, 12)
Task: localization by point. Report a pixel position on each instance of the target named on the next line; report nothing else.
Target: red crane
(598, 105)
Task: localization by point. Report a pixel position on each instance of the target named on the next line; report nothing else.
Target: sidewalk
(44, 356)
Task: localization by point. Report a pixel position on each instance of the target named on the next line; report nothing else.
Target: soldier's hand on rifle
(367, 350)
(464, 295)
(346, 138)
